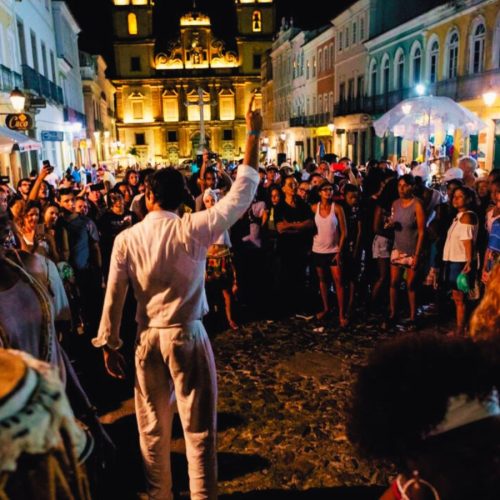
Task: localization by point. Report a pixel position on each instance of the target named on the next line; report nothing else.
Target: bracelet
(254, 132)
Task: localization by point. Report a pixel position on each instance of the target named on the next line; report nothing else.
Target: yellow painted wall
(463, 24)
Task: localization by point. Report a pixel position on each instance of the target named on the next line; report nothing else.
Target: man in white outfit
(164, 258)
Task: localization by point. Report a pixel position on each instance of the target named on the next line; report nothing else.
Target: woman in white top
(458, 253)
(327, 248)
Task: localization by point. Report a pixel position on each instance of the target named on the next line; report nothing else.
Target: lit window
(132, 24)
(137, 110)
(170, 107)
(256, 21)
(226, 105)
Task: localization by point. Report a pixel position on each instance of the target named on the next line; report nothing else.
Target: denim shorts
(453, 269)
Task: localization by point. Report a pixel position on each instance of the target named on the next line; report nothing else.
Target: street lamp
(331, 127)
(17, 99)
(420, 89)
(489, 98)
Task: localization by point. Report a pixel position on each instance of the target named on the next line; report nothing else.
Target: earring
(415, 482)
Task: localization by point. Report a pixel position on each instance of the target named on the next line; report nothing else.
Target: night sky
(94, 18)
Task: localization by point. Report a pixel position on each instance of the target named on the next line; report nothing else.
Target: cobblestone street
(283, 391)
(287, 384)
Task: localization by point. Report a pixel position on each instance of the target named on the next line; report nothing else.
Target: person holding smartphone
(33, 236)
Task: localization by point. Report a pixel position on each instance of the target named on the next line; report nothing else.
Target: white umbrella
(419, 118)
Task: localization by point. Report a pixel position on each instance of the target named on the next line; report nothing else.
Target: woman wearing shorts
(408, 222)
(327, 248)
(459, 253)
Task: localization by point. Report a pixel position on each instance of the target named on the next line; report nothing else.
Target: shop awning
(8, 138)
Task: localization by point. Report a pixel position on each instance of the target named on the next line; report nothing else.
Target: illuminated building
(158, 88)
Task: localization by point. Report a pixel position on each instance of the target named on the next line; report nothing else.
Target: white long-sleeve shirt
(164, 258)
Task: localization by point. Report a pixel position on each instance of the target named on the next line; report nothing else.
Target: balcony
(72, 115)
(310, 121)
(462, 88)
(298, 121)
(42, 86)
(467, 87)
(9, 79)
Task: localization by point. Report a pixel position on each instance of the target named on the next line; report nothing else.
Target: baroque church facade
(163, 92)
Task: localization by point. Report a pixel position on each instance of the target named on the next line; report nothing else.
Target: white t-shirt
(52, 179)
(454, 248)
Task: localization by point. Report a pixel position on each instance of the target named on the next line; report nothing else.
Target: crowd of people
(364, 229)
(267, 241)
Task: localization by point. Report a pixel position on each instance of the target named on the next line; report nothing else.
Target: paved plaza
(283, 400)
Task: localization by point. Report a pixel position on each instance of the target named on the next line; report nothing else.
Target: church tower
(256, 27)
(134, 41)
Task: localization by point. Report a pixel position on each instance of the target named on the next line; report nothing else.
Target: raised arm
(202, 228)
(38, 182)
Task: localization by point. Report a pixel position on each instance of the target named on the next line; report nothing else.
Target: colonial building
(39, 56)
(99, 100)
(163, 92)
(452, 50)
(303, 89)
(363, 84)
(463, 62)
(352, 123)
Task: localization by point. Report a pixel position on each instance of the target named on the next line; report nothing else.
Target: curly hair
(402, 394)
(485, 321)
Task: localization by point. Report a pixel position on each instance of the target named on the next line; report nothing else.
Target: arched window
(256, 21)
(385, 75)
(416, 65)
(132, 24)
(478, 35)
(452, 55)
(399, 71)
(433, 60)
(373, 78)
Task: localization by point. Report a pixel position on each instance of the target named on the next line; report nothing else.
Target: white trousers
(177, 363)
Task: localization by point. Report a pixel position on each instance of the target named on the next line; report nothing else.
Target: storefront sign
(19, 121)
(52, 136)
